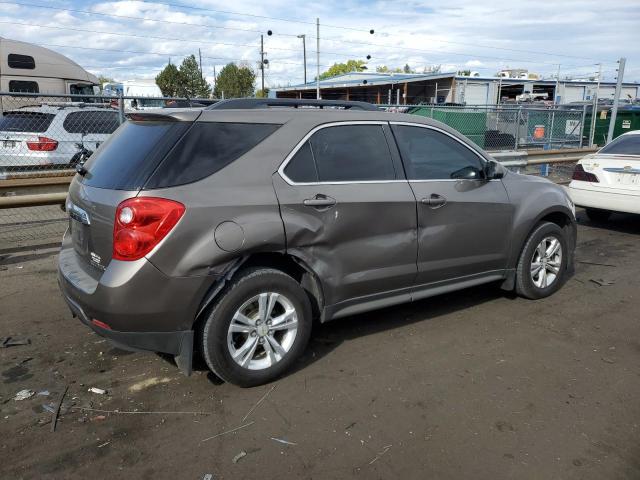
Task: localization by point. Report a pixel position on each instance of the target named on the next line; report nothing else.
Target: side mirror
(467, 173)
(493, 170)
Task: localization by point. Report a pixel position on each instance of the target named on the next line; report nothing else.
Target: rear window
(35, 122)
(205, 149)
(127, 159)
(91, 122)
(626, 145)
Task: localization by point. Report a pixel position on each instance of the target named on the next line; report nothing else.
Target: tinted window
(127, 159)
(25, 122)
(430, 155)
(21, 61)
(301, 168)
(23, 87)
(207, 148)
(627, 145)
(91, 122)
(352, 153)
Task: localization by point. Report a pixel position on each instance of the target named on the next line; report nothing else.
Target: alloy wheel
(546, 262)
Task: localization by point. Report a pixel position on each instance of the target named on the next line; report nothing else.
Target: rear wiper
(81, 170)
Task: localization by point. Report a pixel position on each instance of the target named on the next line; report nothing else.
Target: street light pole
(318, 58)
(616, 98)
(304, 54)
(262, 60)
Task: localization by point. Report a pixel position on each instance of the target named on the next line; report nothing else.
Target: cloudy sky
(135, 39)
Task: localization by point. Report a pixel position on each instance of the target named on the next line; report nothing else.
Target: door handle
(434, 201)
(320, 201)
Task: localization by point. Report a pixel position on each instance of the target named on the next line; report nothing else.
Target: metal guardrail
(28, 192)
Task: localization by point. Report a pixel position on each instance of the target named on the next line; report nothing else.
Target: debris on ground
(280, 440)
(98, 418)
(608, 360)
(43, 393)
(228, 431)
(385, 449)
(596, 263)
(603, 283)
(48, 407)
(56, 414)
(237, 458)
(99, 391)
(6, 342)
(23, 395)
(149, 382)
(208, 476)
(104, 444)
(258, 403)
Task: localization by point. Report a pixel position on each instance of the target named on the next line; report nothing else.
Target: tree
(234, 82)
(192, 83)
(262, 93)
(342, 68)
(385, 69)
(407, 68)
(102, 79)
(464, 73)
(168, 80)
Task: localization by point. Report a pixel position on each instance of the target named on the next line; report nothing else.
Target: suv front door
(464, 220)
(349, 213)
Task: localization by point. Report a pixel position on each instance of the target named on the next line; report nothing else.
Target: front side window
(20, 86)
(431, 155)
(626, 145)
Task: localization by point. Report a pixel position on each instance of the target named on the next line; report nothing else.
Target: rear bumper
(615, 199)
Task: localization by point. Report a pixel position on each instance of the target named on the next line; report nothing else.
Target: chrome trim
(78, 213)
(299, 145)
(622, 170)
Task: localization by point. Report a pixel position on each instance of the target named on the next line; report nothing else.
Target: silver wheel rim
(262, 331)
(546, 262)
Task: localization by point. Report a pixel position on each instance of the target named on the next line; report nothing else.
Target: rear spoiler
(173, 115)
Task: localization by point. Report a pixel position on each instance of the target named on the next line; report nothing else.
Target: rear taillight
(44, 144)
(141, 223)
(582, 176)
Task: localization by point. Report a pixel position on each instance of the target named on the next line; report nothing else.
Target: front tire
(597, 215)
(542, 266)
(258, 328)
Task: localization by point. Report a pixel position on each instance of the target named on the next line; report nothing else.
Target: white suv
(49, 135)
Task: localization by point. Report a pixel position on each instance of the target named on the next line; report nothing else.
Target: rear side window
(25, 62)
(627, 145)
(35, 122)
(127, 159)
(302, 168)
(431, 155)
(206, 148)
(20, 86)
(91, 122)
(352, 153)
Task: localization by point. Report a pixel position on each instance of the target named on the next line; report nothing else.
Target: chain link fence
(508, 127)
(48, 135)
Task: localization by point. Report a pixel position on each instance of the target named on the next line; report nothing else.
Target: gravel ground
(477, 384)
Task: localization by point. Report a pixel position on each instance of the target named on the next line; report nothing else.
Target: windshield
(623, 145)
(25, 122)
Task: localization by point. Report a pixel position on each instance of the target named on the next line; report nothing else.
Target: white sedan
(609, 180)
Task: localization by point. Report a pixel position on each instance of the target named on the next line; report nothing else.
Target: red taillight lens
(580, 175)
(100, 324)
(43, 144)
(141, 223)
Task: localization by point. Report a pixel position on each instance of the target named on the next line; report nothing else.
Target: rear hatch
(23, 133)
(118, 170)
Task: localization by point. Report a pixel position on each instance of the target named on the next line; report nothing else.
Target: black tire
(525, 285)
(598, 216)
(242, 288)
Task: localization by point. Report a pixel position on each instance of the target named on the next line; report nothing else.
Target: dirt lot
(477, 384)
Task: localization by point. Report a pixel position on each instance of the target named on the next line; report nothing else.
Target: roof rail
(255, 103)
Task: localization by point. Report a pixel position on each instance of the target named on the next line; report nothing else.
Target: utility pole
(616, 98)
(555, 94)
(594, 110)
(262, 60)
(200, 57)
(318, 58)
(304, 54)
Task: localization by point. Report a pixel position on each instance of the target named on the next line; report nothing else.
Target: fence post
(517, 135)
(584, 118)
(121, 108)
(553, 119)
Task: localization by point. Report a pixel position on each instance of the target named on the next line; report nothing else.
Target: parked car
(228, 231)
(48, 135)
(609, 181)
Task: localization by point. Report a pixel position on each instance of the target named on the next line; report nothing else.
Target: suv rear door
(464, 220)
(349, 212)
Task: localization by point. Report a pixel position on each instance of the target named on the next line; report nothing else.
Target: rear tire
(597, 215)
(258, 327)
(542, 266)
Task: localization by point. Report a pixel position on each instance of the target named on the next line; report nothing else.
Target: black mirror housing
(493, 170)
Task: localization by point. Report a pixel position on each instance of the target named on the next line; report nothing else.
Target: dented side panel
(364, 244)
